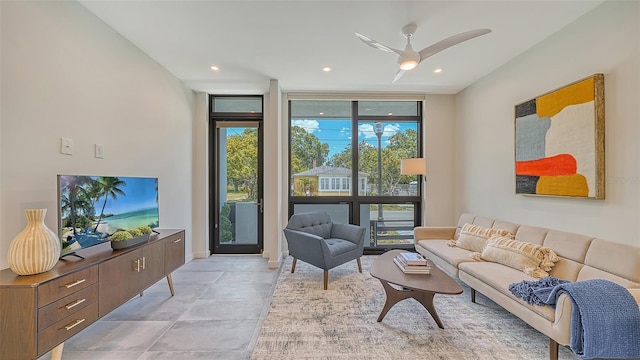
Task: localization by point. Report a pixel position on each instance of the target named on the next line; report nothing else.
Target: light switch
(99, 151)
(66, 146)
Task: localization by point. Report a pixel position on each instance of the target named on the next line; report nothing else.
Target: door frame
(235, 119)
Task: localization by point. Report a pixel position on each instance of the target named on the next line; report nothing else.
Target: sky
(337, 132)
(140, 193)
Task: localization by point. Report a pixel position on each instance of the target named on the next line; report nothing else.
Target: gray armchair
(315, 239)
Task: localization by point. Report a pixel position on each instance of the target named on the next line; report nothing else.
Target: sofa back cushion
(613, 261)
(571, 248)
(484, 222)
(531, 234)
(505, 225)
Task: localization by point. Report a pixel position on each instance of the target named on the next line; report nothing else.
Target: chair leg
(293, 266)
(359, 265)
(326, 279)
(473, 295)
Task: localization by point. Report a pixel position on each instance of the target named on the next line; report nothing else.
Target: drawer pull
(144, 262)
(68, 286)
(137, 266)
(177, 241)
(74, 304)
(75, 323)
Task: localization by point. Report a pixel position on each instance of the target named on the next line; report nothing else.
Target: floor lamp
(416, 166)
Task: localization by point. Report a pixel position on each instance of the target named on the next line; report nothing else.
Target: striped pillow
(534, 260)
(474, 237)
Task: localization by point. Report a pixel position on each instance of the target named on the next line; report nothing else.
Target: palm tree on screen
(110, 189)
(74, 187)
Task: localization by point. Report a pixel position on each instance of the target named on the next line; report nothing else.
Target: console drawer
(66, 285)
(65, 328)
(66, 306)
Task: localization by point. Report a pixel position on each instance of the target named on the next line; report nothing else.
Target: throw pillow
(474, 237)
(534, 260)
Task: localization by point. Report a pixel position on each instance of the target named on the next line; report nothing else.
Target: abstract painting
(559, 141)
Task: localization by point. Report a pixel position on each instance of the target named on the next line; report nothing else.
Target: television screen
(91, 208)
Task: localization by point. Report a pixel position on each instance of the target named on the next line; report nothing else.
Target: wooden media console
(39, 312)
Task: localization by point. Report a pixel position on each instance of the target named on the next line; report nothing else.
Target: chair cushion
(316, 223)
(339, 246)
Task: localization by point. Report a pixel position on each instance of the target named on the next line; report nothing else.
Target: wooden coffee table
(421, 287)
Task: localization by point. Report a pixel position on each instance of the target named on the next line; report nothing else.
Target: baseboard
(198, 255)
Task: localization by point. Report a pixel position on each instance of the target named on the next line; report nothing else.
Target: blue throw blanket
(605, 318)
(527, 289)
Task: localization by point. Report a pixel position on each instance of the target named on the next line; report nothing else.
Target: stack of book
(412, 263)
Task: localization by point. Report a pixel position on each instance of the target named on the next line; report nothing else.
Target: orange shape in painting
(571, 185)
(563, 164)
(578, 93)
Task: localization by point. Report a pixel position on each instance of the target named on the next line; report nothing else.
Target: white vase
(35, 249)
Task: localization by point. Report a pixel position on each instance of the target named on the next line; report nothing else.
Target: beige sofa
(581, 258)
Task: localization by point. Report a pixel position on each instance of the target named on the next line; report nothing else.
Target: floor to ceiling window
(365, 186)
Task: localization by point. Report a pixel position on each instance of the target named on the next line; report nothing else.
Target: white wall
(439, 120)
(606, 40)
(200, 222)
(65, 73)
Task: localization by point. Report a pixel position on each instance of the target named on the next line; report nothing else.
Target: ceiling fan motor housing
(408, 60)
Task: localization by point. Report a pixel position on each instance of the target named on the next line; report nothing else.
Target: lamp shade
(414, 166)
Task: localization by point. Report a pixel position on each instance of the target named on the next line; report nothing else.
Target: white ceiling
(291, 41)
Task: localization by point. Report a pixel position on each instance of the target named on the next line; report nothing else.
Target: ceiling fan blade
(377, 45)
(451, 41)
(398, 75)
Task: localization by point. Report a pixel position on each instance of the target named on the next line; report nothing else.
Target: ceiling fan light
(408, 64)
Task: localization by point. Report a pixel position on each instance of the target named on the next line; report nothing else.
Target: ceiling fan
(409, 58)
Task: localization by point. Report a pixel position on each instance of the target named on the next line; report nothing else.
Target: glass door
(238, 202)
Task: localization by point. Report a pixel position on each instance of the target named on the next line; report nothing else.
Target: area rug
(306, 322)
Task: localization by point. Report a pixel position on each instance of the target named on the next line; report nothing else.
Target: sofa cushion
(484, 222)
(619, 259)
(499, 277)
(451, 255)
(505, 225)
(531, 234)
(474, 237)
(534, 260)
(568, 245)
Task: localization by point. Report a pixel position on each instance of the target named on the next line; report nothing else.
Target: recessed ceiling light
(321, 113)
(438, 70)
(326, 69)
(390, 114)
(214, 68)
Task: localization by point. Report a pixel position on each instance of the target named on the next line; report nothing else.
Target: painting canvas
(559, 141)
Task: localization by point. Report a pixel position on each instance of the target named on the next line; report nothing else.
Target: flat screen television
(92, 208)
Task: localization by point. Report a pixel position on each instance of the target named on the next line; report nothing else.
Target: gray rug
(306, 322)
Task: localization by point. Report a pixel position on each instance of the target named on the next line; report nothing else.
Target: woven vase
(35, 249)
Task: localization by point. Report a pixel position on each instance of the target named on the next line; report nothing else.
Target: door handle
(260, 206)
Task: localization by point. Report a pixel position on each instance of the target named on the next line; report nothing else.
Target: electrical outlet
(66, 146)
(99, 151)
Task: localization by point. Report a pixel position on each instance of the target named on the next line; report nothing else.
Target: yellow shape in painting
(570, 185)
(578, 93)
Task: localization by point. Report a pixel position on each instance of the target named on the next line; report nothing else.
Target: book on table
(412, 259)
(412, 269)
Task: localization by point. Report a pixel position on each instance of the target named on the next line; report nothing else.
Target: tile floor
(217, 313)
